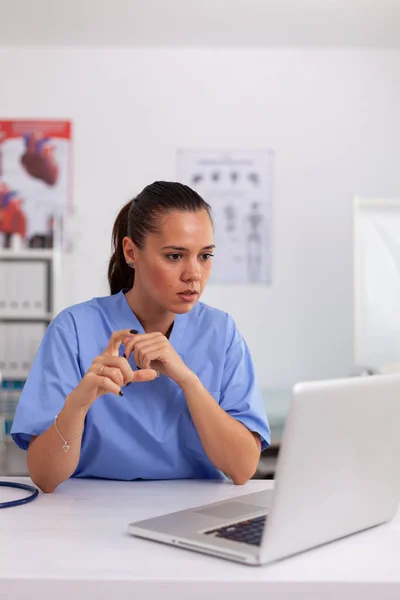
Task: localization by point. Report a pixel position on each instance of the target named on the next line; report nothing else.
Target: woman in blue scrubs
(149, 382)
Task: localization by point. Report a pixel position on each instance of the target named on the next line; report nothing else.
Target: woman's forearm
(229, 445)
(48, 463)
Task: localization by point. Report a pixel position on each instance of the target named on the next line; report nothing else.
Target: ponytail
(120, 276)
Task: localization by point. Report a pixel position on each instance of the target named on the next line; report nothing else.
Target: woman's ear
(130, 251)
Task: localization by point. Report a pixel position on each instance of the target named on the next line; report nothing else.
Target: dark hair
(140, 216)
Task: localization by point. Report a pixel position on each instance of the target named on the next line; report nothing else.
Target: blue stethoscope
(34, 492)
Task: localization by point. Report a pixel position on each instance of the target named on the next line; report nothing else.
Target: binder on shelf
(10, 391)
(3, 346)
(18, 348)
(3, 287)
(23, 287)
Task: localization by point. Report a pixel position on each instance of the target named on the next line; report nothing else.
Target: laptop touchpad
(230, 510)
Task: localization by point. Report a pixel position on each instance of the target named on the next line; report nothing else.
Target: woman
(193, 410)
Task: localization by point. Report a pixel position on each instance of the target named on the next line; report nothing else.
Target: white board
(376, 237)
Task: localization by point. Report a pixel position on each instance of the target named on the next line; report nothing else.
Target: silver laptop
(338, 472)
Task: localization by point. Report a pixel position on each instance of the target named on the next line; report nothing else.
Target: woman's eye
(206, 256)
(174, 256)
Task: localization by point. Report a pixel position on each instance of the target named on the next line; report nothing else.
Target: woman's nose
(191, 272)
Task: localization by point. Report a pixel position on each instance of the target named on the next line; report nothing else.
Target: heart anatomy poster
(35, 183)
(237, 184)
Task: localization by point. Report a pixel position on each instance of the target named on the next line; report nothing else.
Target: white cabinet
(27, 284)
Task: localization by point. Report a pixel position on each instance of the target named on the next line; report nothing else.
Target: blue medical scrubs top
(148, 433)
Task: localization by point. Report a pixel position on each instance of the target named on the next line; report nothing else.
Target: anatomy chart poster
(35, 182)
(238, 186)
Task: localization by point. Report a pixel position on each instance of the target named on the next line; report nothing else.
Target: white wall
(332, 117)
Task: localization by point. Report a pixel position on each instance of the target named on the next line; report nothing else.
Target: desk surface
(73, 544)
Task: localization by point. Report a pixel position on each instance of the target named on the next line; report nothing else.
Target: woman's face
(174, 265)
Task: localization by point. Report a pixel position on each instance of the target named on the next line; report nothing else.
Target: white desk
(73, 544)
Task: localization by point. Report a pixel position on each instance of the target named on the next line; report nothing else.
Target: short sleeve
(54, 374)
(240, 393)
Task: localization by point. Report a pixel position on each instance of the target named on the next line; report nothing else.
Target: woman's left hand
(154, 351)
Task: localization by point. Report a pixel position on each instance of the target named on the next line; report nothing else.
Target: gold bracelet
(66, 445)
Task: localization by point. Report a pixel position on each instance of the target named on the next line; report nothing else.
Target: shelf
(45, 317)
(28, 280)
(37, 254)
(18, 375)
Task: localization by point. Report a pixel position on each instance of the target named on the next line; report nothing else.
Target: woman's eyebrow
(210, 247)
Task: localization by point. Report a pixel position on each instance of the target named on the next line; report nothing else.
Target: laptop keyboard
(247, 532)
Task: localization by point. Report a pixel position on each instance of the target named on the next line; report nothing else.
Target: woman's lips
(188, 296)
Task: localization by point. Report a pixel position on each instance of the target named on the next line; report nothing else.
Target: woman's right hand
(108, 373)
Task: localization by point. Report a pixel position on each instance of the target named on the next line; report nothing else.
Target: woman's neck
(151, 316)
